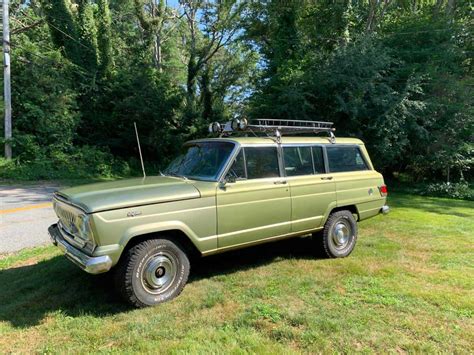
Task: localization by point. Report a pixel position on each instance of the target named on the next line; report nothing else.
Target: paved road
(25, 215)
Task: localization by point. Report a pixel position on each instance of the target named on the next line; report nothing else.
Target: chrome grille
(67, 216)
(70, 219)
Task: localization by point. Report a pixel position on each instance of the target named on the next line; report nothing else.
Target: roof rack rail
(276, 127)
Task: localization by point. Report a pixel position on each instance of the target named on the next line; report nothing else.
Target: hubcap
(340, 234)
(159, 272)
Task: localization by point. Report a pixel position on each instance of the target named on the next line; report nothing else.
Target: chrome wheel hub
(341, 234)
(159, 272)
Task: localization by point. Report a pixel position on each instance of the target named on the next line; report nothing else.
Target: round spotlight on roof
(239, 124)
(235, 124)
(215, 127)
(243, 124)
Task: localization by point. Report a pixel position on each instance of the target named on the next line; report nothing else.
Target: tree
(158, 21)
(219, 26)
(104, 37)
(397, 74)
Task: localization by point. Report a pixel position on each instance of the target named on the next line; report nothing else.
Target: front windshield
(201, 160)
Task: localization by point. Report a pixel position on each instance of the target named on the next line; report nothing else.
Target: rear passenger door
(356, 181)
(312, 189)
(256, 205)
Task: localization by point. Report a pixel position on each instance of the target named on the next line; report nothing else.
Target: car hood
(128, 193)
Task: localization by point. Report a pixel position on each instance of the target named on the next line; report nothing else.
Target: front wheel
(152, 272)
(339, 234)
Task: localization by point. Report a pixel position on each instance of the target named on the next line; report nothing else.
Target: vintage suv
(221, 194)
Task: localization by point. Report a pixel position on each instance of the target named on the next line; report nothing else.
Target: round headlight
(83, 226)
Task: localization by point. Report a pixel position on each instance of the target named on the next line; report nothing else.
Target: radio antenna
(139, 149)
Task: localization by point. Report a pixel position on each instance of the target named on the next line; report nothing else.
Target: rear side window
(262, 162)
(298, 161)
(345, 158)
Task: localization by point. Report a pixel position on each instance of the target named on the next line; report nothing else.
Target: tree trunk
(160, 56)
(206, 95)
(450, 7)
(371, 17)
(191, 80)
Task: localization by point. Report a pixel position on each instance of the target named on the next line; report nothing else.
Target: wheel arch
(176, 235)
(352, 208)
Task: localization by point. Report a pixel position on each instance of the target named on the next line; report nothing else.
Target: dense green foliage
(397, 74)
(459, 190)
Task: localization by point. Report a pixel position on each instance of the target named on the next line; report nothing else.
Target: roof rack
(273, 126)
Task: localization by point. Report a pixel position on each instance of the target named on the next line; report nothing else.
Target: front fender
(202, 244)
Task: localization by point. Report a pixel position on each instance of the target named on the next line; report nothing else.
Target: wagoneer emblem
(134, 213)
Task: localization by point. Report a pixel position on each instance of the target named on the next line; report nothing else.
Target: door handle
(282, 182)
(326, 178)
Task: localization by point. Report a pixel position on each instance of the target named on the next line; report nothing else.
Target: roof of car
(284, 139)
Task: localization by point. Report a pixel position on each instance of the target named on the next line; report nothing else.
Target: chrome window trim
(281, 161)
(326, 160)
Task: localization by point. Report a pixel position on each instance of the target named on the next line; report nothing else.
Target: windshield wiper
(174, 175)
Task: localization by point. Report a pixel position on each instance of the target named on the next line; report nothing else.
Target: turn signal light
(383, 190)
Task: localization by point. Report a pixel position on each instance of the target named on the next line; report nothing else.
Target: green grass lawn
(408, 286)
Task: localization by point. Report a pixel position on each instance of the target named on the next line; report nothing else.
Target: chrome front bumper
(385, 209)
(90, 264)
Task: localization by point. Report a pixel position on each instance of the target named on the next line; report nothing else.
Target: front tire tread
(125, 270)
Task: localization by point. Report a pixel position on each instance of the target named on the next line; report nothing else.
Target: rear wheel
(339, 234)
(152, 272)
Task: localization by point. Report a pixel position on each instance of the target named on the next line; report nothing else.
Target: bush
(460, 190)
(81, 162)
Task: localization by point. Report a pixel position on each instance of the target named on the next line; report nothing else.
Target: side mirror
(230, 179)
(227, 180)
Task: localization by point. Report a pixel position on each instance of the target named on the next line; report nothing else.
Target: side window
(345, 158)
(298, 161)
(237, 170)
(318, 160)
(262, 162)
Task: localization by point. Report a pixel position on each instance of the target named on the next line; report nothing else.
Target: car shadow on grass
(29, 293)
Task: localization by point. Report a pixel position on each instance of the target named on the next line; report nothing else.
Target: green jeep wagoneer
(220, 194)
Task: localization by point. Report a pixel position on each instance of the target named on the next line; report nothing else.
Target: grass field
(408, 286)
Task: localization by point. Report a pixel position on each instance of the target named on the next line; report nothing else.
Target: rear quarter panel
(361, 188)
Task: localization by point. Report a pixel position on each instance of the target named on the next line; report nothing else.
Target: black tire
(339, 235)
(146, 266)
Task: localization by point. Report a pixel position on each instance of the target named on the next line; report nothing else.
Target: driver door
(254, 204)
